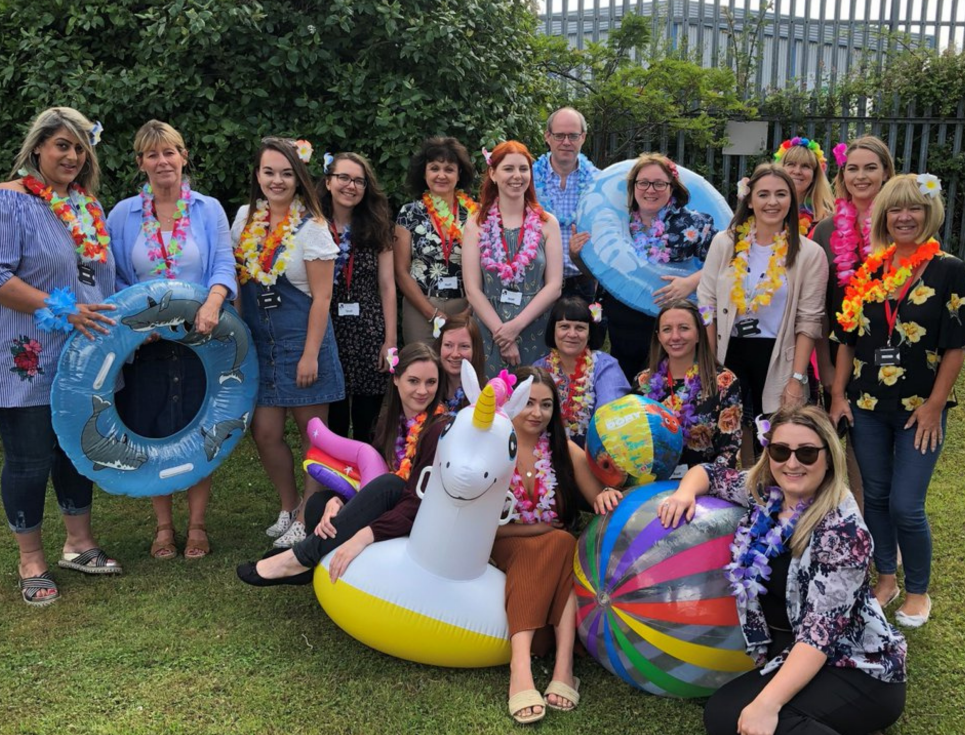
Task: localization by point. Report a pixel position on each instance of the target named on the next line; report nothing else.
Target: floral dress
(428, 263)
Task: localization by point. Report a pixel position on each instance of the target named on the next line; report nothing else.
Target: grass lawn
(184, 647)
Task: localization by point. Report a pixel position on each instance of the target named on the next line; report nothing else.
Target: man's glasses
(560, 137)
(643, 185)
(345, 180)
(805, 455)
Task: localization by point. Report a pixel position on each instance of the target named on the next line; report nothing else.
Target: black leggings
(361, 410)
(380, 495)
(630, 333)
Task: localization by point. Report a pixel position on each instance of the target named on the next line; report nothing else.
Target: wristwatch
(801, 378)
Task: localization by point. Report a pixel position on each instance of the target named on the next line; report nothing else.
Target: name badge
(348, 309)
(748, 328)
(85, 274)
(886, 356)
(269, 300)
(511, 297)
(447, 283)
(679, 472)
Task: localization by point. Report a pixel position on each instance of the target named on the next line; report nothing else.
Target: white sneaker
(283, 523)
(294, 534)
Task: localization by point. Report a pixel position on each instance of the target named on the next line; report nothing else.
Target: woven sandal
(30, 587)
(196, 549)
(572, 693)
(527, 698)
(92, 561)
(160, 550)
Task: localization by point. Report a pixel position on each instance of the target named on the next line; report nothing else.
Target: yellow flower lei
(772, 278)
(248, 253)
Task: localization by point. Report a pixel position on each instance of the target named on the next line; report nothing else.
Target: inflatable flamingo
(339, 464)
(433, 598)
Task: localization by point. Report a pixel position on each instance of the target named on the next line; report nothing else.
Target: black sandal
(31, 587)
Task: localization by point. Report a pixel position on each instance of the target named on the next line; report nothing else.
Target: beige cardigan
(807, 286)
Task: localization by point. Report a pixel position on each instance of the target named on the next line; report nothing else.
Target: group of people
(845, 288)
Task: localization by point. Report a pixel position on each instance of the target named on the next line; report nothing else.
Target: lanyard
(160, 237)
(892, 316)
(350, 265)
(447, 238)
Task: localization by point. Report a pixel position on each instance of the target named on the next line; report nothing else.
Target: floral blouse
(716, 434)
(688, 233)
(428, 264)
(929, 322)
(829, 599)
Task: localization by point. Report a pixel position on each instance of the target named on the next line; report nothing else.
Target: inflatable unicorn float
(433, 597)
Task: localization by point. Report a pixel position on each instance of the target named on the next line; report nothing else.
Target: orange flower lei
(412, 443)
(90, 248)
(771, 282)
(255, 251)
(863, 289)
(446, 221)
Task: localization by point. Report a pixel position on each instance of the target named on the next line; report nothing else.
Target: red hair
(489, 191)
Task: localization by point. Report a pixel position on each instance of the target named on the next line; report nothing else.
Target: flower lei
(537, 508)
(165, 259)
(344, 239)
(682, 404)
(578, 400)
(863, 289)
(805, 216)
(755, 545)
(452, 404)
(811, 145)
(494, 252)
(848, 245)
(542, 169)
(256, 248)
(60, 305)
(651, 242)
(90, 231)
(447, 222)
(767, 286)
(407, 441)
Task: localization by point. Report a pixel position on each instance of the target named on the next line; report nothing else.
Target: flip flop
(563, 690)
(522, 700)
(92, 561)
(30, 587)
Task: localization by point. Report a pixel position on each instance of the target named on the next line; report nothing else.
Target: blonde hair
(903, 191)
(832, 491)
(42, 129)
(154, 133)
(868, 143)
(819, 192)
(679, 192)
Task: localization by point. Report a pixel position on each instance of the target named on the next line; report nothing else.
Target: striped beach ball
(653, 603)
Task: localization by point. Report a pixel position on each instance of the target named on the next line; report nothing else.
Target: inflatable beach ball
(653, 604)
(632, 441)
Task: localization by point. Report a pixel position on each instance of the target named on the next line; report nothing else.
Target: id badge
(679, 472)
(748, 328)
(511, 297)
(447, 283)
(269, 300)
(85, 274)
(348, 309)
(887, 356)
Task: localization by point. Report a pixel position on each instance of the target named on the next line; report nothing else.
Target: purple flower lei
(344, 250)
(651, 242)
(685, 402)
(755, 545)
(405, 426)
(452, 404)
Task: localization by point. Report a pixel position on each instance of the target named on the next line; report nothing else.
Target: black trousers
(361, 411)
(380, 495)
(630, 333)
(835, 702)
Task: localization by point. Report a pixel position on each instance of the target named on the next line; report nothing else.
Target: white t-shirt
(768, 317)
(312, 242)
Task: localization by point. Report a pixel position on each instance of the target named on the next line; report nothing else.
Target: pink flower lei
(849, 247)
(494, 252)
(537, 508)
(165, 258)
(651, 242)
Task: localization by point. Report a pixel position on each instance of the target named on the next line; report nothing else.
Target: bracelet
(435, 313)
(60, 304)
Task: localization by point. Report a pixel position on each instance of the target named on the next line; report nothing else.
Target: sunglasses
(805, 455)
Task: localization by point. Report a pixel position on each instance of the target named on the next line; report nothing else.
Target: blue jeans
(896, 477)
(31, 454)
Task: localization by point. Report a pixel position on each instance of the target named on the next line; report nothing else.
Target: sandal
(31, 587)
(528, 698)
(196, 549)
(92, 561)
(164, 550)
(572, 693)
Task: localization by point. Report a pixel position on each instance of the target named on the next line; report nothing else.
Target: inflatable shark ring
(82, 401)
(609, 254)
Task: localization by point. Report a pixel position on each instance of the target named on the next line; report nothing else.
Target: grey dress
(531, 341)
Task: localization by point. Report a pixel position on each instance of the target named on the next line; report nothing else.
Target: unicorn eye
(513, 446)
(448, 426)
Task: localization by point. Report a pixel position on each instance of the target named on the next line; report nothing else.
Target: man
(561, 177)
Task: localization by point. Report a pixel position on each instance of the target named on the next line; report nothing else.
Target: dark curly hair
(440, 148)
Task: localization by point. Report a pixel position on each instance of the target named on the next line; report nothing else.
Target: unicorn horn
(485, 410)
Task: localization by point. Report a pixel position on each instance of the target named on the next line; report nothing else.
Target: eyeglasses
(345, 180)
(643, 185)
(560, 137)
(805, 455)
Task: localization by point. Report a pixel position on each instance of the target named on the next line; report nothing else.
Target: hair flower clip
(706, 315)
(304, 149)
(929, 185)
(840, 152)
(673, 169)
(596, 312)
(743, 188)
(438, 322)
(327, 159)
(392, 358)
(95, 133)
(763, 427)
(488, 156)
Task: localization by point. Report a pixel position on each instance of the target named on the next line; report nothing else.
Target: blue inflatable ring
(82, 401)
(609, 254)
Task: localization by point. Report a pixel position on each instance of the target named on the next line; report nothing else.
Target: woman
(703, 394)
(805, 163)
(536, 550)
(459, 339)
(428, 236)
(286, 265)
(664, 230)
(513, 261)
(386, 506)
(800, 576)
(170, 231)
(585, 377)
(762, 291)
(52, 237)
(901, 335)
(363, 300)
